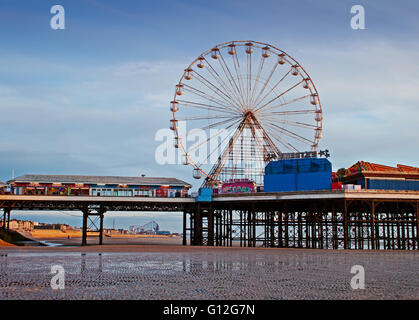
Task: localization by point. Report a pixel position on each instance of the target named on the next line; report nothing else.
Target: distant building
(376, 176)
(21, 225)
(54, 226)
(163, 233)
(98, 186)
(3, 187)
(31, 225)
(114, 231)
(149, 228)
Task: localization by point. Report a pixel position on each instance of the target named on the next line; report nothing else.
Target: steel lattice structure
(338, 219)
(246, 102)
(372, 222)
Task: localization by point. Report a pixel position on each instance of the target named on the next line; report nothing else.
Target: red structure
(238, 186)
(376, 176)
(99, 186)
(2, 188)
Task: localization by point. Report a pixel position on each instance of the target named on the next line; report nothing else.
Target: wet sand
(116, 241)
(158, 270)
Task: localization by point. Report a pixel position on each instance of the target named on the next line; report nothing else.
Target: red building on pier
(380, 177)
(108, 186)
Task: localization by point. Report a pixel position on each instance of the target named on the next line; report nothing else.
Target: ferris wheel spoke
(203, 118)
(225, 97)
(214, 100)
(274, 134)
(230, 78)
(292, 123)
(216, 124)
(214, 108)
(214, 136)
(238, 73)
(243, 111)
(266, 83)
(249, 77)
(273, 88)
(219, 146)
(266, 137)
(264, 142)
(226, 91)
(284, 113)
(221, 82)
(285, 103)
(204, 95)
(262, 61)
(279, 96)
(287, 145)
(291, 134)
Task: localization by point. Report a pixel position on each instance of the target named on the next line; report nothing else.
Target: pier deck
(358, 219)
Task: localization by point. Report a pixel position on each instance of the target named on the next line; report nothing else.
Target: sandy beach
(73, 238)
(162, 269)
(159, 267)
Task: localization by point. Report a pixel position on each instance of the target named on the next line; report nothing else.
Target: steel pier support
(184, 229)
(197, 227)
(345, 226)
(417, 224)
(84, 228)
(210, 226)
(101, 228)
(327, 224)
(373, 234)
(6, 218)
(87, 213)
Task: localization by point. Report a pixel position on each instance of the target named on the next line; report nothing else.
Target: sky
(89, 99)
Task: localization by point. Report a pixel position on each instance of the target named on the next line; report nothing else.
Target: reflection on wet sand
(217, 274)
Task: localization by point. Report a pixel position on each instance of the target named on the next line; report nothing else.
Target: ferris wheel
(240, 105)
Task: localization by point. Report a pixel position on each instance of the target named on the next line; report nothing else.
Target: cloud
(101, 117)
(369, 97)
(104, 118)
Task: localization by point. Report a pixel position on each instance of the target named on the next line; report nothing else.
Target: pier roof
(374, 167)
(86, 179)
(363, 169)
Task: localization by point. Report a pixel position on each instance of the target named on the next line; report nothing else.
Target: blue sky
(89, 99)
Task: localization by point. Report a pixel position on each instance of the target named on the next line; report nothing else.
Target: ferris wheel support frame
(235, 97)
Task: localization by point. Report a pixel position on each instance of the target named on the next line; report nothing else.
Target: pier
(93, 208)
(329, 219)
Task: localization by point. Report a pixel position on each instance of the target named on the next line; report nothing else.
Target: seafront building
(110, 186)
(3, 187)
(374, 176)
(367, 206)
